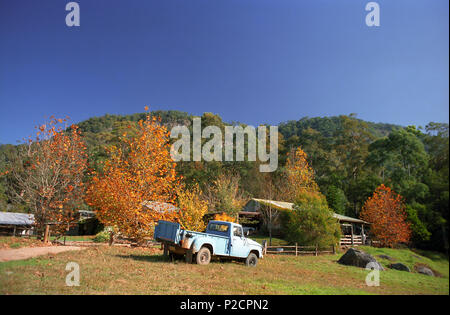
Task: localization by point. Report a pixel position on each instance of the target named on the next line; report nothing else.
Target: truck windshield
(217, 227)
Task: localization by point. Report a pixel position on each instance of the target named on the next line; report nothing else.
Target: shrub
(103, 236)
(311, 222)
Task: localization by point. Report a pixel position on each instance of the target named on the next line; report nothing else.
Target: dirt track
(30, 252)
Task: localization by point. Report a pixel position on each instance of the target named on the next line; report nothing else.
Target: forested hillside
(350, 158)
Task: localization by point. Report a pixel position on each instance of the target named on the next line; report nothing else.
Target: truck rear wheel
(203, 256)
(251, 260)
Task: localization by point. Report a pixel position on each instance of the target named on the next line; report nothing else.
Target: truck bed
(168, 232)
(172, 232)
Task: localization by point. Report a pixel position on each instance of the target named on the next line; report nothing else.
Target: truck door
(238, 243)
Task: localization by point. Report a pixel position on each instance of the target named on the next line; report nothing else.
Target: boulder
(424, 270)
(358, 258)
(399, 266)
(386, 257)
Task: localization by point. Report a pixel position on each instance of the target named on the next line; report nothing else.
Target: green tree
(419, 230)
(352, 141)
(311, 222)
(436, 218)
(400, 157)
(336, 199)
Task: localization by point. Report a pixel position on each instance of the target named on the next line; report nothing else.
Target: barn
(22, 224)
(354, 231)
(12, 223)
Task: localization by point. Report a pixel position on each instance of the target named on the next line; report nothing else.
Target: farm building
(12, 223)
(354, 231)
(16, 224)
(88, 224)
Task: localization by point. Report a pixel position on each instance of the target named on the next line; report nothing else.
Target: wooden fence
(297, 250)
(351, 240)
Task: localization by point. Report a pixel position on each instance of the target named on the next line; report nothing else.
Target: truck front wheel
(252, 260)
(203, 256)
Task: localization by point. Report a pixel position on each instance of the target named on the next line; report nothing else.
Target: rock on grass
(399, 266)
(424, 270)
(358, 258)
(386, 257)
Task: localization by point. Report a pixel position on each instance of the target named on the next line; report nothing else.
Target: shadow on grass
(168, 259)
(149, 258)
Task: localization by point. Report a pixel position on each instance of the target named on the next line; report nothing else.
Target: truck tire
(251, 260)
(203, 256)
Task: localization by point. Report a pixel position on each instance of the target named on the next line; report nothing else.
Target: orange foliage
(299, 176)
(141, 169)
(224, 217)
(192, 209)
(386, 211)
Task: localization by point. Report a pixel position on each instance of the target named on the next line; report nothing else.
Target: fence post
(352, 234)
(334, 250)
(296, 252)
(264, 247)
(316, 249)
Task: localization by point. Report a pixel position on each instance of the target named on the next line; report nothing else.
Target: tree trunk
(46, 233)
(111, 238)
(270, 234)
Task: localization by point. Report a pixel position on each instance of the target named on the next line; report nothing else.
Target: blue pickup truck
(221, 238)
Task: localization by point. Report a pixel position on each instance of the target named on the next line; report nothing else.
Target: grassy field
(76, 238)
(118, 270)
(275, 240)
(10, 242)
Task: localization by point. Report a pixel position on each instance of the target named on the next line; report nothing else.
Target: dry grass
(11, 242)
(116, 270)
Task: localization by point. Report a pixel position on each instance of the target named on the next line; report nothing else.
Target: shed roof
(345, 218)
(13, 218)
(282, 205)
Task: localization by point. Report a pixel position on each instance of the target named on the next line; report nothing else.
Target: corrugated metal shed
(254, 204)
(12, 218)
(344, 218)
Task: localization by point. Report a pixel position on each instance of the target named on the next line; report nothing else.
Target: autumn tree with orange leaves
(140, 169)
(385, 210)
(224, 217)
(299, 176)
(192, 209)
(47, 174)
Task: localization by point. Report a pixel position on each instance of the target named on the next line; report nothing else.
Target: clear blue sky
(255, 61)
